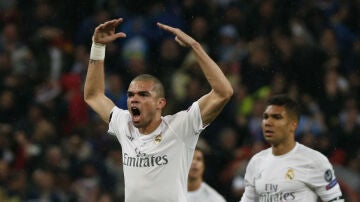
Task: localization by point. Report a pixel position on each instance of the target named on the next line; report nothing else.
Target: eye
(143, 94)
(265, 116)
(130, 94)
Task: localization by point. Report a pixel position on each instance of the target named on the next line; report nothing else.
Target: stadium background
(53, 147)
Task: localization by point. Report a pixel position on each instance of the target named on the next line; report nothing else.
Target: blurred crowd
(54, 148)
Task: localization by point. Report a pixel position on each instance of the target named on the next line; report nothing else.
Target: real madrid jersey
(156, 165)
(204, 194)
(303, 174)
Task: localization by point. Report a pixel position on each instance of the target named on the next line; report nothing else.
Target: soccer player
(288, 171)
(157, 150)
(198, 190)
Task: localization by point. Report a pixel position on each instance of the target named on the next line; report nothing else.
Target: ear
(161, 103)
(294, 125)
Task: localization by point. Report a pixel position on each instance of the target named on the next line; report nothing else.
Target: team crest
(290, 174)
(158, 139)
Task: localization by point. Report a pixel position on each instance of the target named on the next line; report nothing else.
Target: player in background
(288, 170)
(198, 190)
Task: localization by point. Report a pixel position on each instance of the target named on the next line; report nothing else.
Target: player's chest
(281, 178)
(156, 144)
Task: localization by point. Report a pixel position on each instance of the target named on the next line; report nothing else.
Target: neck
(281, 149)
(194, 184)
(150, 127)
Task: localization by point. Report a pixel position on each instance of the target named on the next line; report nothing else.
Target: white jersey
(303, 174)
(204, 194)
(156, 165)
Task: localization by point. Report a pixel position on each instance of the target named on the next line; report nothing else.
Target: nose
(267, 122)
(193, 162)
(133, 99)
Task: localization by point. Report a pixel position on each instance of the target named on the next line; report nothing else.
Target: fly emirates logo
(272, 194)
(143, 160)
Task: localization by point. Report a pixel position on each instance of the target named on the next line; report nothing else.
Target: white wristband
(97, 51)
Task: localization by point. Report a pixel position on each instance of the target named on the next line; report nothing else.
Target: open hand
(105, 33)
(180, 37)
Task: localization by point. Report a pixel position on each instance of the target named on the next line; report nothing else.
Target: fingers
(180, 37)
(119, 35)
(180, 42)
(105, 32)
(114, 22)
(161, 25)
(167, 28)
(172, 30)
(110, 24)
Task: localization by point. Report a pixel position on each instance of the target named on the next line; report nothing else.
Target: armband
(97, 51)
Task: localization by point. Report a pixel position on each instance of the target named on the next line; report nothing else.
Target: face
(278, 127)
(143, 103)
(197, 165)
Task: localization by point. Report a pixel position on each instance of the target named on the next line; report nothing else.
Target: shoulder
(194, 108)
(309, 152)
(258, 158)
(215, 195)
(119, 117)
(262, 154)
(312, 156)
(116, 111)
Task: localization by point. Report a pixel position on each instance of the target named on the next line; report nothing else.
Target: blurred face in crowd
(277, 126)
(197, 166)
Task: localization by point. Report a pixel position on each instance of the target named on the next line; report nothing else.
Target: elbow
(225, 95)
(225, 91)
(88, 97)
(228, 93)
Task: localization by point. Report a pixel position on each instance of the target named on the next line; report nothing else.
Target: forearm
(216, 78)
(95, 88)
(95, 79)
(212, 103)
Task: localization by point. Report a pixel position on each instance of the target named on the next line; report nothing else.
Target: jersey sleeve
(249, 193)
(188, 125)
(193, 118)
(322, 179)
(118, 118)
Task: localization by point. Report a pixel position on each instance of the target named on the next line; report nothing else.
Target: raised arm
(94, 92)
(212, 103)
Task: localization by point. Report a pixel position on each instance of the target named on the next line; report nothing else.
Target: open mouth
(135, 111)
(268, 132)
(135, 114)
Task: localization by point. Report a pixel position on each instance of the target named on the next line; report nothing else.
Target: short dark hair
(158, 86)
(291, 106)
(198, 148)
